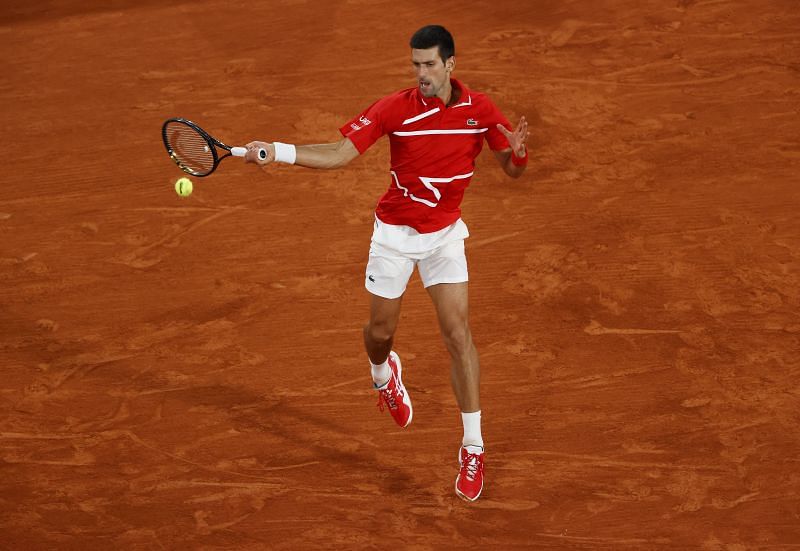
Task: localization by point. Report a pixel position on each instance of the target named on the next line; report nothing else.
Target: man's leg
(451, 302)
(386, 367)
(452, 308)
(386, 278)
(384, 313)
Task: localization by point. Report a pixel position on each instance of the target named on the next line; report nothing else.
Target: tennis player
(436, 130)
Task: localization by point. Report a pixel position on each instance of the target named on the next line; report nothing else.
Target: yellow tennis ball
(183, 187)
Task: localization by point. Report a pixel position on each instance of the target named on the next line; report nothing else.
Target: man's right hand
(324, 155)
(252, 153)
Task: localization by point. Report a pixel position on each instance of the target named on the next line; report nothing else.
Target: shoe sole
(466, 498)
(400, 380)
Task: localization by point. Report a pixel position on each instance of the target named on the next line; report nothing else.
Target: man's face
(431, 72)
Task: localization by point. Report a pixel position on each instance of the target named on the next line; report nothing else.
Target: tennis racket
(194, 150)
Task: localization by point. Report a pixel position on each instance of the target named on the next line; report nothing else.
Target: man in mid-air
(436, 130)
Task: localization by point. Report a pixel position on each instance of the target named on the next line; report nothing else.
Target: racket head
(191, 147)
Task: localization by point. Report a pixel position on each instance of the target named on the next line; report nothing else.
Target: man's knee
(378, 333)
(457, 338)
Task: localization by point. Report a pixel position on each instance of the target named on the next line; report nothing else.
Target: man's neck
(450, 94)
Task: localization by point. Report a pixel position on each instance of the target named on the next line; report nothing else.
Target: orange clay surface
(188, 373)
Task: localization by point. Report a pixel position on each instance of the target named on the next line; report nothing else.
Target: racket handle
(241, 151)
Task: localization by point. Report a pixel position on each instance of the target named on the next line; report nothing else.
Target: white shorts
(395, 250)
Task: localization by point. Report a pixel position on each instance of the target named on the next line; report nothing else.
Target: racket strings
(189, 149)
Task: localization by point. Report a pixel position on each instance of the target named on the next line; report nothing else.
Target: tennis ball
(183, 187)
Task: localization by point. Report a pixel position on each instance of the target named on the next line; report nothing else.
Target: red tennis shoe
(469, 482)
(394, 394)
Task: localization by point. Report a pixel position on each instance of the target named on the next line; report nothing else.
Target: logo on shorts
(372, 279)
(472, 122)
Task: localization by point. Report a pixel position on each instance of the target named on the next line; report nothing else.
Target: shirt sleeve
(496, 140)
(365, 129)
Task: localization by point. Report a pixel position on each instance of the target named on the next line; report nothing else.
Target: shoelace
(472, 466)
(388, 396)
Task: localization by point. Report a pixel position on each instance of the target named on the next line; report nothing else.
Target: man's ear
(450, 64)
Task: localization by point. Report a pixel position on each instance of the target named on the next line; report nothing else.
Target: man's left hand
(518, 137)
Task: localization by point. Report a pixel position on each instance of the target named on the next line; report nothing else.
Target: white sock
(472, 429)
(381, 373)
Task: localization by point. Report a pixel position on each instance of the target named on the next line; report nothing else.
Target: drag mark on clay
(77, 462)
(85, 365)
(490, 240)
(668, 84)
(601, 461)
(204, 528)
(358, 381)
(517, 505)
(594, 328)
(28, 436)
(204, 483)
(601, 380)
(135, 258)
(596, 540)
(129, 434)
(202, 222)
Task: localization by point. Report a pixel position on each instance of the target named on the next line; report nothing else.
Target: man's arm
(324, 155)
(514, 159)
(504, 158)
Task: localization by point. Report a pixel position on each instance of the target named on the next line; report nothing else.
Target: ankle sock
(472, 429)
(381, 373)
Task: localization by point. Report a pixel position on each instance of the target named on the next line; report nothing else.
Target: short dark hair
(434, 35)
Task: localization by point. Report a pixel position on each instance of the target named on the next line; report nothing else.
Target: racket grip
(241, 151)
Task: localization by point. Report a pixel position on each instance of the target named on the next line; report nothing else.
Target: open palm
(518, 137)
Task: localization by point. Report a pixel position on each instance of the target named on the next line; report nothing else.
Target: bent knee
(379, 332)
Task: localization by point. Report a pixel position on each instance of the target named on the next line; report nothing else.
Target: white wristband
(285, 152)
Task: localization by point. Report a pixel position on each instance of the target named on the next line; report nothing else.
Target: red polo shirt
(433, 151)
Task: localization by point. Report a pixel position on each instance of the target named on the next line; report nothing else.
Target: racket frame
(212, 142)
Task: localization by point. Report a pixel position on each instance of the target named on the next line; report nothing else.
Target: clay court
(188, 373)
